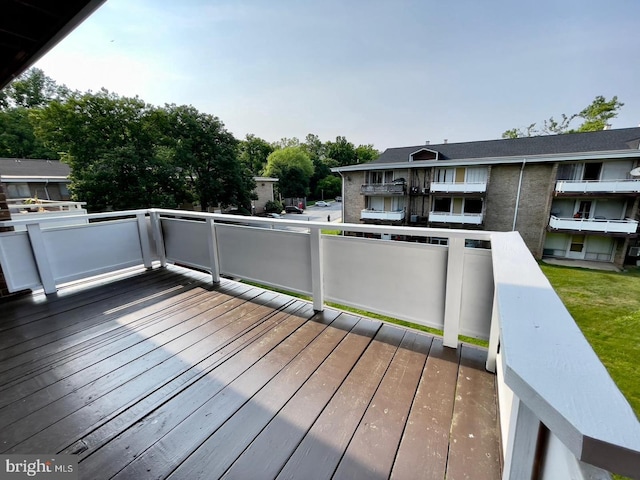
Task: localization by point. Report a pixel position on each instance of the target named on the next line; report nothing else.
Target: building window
(18, 190)
(472, 205)
(442, 204)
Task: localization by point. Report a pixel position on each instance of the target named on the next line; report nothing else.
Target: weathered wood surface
(159, 374)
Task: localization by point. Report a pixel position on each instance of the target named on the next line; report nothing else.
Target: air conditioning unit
(425, 191)
(415, 190)
(634, 252)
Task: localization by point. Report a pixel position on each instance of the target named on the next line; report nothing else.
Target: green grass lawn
(606, 307)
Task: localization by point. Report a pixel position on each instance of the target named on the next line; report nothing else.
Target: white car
(322, 203)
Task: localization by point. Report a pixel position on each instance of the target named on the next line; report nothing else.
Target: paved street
(319, 214)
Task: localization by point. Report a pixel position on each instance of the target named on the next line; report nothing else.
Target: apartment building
(570, 196)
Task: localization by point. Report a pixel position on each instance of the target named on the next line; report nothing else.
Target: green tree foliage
(366, 153)
(342, 152)
(254, 152)
(206, 154)
(288, 157)
(294, 182)
(329, 187)
(17, 138)
(31, 90)
(110, 144)
(595, 117)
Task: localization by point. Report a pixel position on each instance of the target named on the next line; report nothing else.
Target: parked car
(322, 203)
(292, 209)
(338, 199)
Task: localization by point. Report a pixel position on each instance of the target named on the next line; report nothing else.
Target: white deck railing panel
(272, 257)
(477, 293)
(18, 264)
(395, 215)
(463, 218)
(185, 242)
(592, 186)
(594, 225)
(376, 276)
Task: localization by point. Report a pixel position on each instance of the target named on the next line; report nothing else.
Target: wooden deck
(157, 374)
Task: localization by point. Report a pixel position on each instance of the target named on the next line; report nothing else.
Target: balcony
(150, 369)
(598, 186)
(600, 225)
(461, 218)
(463, 187)
(393, 216)
(383, 189)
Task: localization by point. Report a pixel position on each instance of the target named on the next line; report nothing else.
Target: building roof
(32, 168)
(30, 28)
(601, 141)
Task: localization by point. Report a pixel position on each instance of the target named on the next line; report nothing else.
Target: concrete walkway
(610, 267)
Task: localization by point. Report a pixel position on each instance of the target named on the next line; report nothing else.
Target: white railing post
(494, 336)
(522, 442)
(213, 250)
(317, 284)
(453, 292)
(40, 255)
(157, 235)
(145, 246)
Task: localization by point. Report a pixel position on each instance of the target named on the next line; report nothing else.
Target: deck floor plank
(367, 456)
(75, 411)
(321, 450)
(276, 443)
(179, 443)
(474, 441)
(160, 373)
(425, 442)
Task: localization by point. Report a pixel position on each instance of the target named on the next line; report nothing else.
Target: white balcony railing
(599, 186)
(462, 218)
(395, 215)
(462, 187)
(594, 225)
(548, 375)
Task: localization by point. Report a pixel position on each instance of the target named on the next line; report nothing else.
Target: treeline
(125, 153)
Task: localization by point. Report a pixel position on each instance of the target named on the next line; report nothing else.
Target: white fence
(594, 225)
(462, 187)
(592, 186)
(463, 218)
(548, 375)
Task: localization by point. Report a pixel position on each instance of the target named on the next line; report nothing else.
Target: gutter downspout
(342, 202)
(515, 213)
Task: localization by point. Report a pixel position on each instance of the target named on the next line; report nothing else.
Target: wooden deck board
(161, 374)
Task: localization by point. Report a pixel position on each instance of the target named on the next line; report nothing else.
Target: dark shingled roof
(601, 141)
(26, 167)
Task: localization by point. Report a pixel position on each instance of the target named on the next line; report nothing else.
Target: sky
(382, 72)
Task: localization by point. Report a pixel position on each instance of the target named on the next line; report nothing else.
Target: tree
(596, 116)
(33, 89)
(286, 158)
(206, 153)
(329, 187)
(110, 142)
(366, 153)
(17, 138)
(341, 151)
(254, 152)
(294, 182)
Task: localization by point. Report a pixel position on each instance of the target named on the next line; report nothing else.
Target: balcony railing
(594, 225)
(382, 189)
(598, 186)
(462, 187)
(394, 216)
(551, 384)
(48, 209)
(462, 218)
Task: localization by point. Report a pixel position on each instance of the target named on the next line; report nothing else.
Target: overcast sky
(389, 73)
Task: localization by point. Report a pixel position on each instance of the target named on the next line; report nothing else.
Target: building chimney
(446, 140)
(427, 142)
(607, 126)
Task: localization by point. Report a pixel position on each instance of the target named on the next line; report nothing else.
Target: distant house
(30, 178)
(570, 196)
(264, 191)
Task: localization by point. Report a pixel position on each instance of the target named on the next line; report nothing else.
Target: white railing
(395, 215)
(26, 205)
(463, 218)
(71, 213)
(548, 375)
(462, 187)
(627, 225)
(590, 186)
